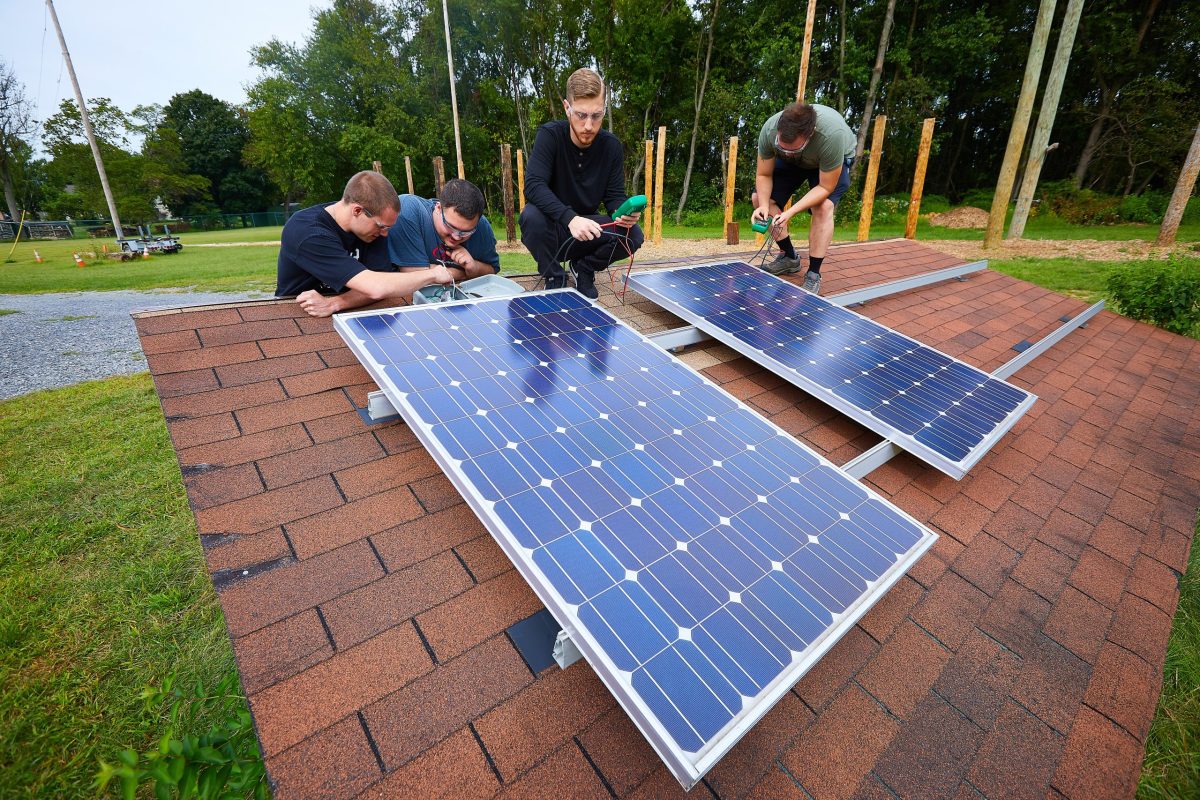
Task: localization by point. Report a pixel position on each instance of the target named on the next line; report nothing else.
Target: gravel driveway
(60, 339)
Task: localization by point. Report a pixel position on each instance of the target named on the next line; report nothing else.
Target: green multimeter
(761, 227)
(634, 205)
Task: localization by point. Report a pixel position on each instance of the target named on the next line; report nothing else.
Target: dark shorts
(788, 178)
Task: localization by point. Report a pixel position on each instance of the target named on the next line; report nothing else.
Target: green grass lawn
(1172, 765)
(103, 588)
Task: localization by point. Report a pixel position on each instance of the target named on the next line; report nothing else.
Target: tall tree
(876, 72)
(701, 84)
(213, 137)
(16, 128)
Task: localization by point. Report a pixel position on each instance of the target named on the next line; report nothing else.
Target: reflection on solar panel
(700, 558)
(941, 410)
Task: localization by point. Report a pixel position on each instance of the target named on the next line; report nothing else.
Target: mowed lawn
(103, 588)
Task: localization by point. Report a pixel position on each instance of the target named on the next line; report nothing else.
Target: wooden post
(521, 177)
(1179, 198)
(648, 217)
(868, 197)
(439, 174)
(377, 166)
(1016, 136)
(1045, 120)
(453, 95)
(510, 224)
(408, 172)
(808, 29)
(918, 187)
(658, 183)
(731, 228)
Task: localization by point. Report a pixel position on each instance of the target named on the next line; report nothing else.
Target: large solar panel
(942, 410)
(700, 558)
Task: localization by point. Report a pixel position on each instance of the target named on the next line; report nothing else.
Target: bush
(223, 763)
(935, 204)
(1148, 207)
(1166, 294)
(1085, 207)
(1191, 213)
(979, 198)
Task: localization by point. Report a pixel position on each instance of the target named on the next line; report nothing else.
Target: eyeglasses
(379, 225)
(584, 116)
(788, 150)
(457, 233)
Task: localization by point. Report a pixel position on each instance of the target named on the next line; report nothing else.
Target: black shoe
(782, 265)
(585, 284)
(556, 281)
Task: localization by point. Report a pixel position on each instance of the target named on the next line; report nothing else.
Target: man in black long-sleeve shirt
(576, 165)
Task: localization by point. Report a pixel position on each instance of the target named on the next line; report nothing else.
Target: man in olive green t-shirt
(802, 144)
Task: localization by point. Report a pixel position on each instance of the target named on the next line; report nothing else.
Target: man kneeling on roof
(334, 256)
(575, 166)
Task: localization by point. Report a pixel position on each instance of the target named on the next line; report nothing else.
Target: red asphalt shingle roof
(1022, 656)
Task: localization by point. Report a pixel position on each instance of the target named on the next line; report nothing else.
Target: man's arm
(538, 172)
(369, 287)
(816, 195)
(764, 182)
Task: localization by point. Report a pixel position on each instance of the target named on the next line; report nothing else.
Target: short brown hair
(463, 196)
(584, 84)
(796, 121)
(372, 191)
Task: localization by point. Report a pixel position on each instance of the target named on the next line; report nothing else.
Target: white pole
(453, 95)
(87, 125)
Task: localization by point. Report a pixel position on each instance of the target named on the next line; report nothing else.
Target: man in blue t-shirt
(334, 256)
(449, 231)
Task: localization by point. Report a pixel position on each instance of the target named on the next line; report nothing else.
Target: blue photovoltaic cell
(701, 556)
(942, 410)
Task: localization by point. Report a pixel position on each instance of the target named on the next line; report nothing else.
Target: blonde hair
(584, 84)
(372, 191)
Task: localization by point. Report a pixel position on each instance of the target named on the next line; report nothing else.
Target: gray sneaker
(782, 265)
(812, 282)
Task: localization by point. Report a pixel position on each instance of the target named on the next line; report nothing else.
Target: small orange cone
(104, 247)
(38, 257)
(145, 253)
(79, 261)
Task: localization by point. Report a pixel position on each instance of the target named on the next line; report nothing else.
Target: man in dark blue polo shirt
(575, 166)
(450, 230)
(334, 256)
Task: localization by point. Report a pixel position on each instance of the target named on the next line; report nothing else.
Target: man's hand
(316, 304)
(440, 274)
(585, 229)
(461, 258)
(761, 214)
(628, 220)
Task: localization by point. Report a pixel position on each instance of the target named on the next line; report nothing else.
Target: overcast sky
(138, 52)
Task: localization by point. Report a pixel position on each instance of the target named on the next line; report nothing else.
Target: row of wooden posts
(652, 217)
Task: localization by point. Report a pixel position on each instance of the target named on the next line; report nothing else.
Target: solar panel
(700, 558)
(940, 409)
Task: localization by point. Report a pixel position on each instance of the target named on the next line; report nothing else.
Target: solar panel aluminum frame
(955, 469)
(688, 771)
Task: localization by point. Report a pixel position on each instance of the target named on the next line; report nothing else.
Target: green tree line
(370, 82)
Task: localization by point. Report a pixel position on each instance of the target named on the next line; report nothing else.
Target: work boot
(782, 265)
(585, 283)
(812, 282)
